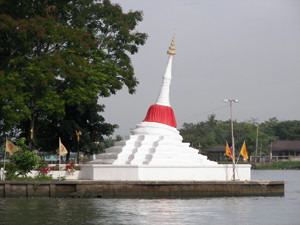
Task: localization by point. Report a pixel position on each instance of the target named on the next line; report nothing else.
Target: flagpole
(59, 159)
(238, 158)
(5, 154)
(62, 151)
(232, 137)
(11, 149)
(240, 154)
(3, 175)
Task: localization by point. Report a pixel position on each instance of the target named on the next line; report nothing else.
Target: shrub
(10, 171)
(71, 168)
(24, 161)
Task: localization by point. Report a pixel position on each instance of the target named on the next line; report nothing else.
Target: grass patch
(286, 165)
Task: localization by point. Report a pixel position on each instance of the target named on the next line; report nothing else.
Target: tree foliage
(214, 132)
(22, 161)
(56, 58)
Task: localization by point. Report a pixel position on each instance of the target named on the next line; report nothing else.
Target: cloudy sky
(239, 49)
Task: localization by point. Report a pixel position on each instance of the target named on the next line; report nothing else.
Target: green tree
(269, 127)
(201, 133)
(223, 132)
(288, 130)
(269, 131)
(83, 118)
(212, 122)
(56, 55)
(294, 132)
(22, 161)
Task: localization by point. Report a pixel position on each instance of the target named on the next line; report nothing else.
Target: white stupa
(154, 151)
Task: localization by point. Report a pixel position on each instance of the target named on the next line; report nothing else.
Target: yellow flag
(10, 147)
(229, 151)
(62, 149)
(244, 151)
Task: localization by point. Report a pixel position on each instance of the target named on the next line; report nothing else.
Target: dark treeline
(58, 59)
(215, 132)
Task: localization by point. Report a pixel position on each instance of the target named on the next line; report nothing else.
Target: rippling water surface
(229, 210)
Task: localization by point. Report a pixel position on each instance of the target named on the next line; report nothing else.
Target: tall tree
(57, 55)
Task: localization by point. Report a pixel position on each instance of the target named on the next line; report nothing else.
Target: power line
(202, 113)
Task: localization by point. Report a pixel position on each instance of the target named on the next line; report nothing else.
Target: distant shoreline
(284, 165)
(281, 165)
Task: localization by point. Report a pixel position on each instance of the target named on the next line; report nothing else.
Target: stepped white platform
(155, 152)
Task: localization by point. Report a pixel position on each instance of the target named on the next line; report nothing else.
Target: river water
(229, 210)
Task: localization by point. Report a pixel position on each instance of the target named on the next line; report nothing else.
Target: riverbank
(282, 165)
(139, 189)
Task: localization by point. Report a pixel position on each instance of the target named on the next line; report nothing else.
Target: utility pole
(260, 153)
(232, 137)
(256, 146)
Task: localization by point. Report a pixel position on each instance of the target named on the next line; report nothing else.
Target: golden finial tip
(171, 52)
(172, 47)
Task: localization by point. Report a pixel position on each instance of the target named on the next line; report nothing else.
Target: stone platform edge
(139, 189)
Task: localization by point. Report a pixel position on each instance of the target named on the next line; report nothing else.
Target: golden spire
(172, 47)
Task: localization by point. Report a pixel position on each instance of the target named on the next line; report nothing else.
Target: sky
(235, 49)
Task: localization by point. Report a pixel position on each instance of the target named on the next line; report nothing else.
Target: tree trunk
(31, 126)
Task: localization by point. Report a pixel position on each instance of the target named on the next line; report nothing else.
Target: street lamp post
(232, 137)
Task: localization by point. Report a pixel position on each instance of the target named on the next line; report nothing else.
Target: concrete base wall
(130, 189)
(160, 173)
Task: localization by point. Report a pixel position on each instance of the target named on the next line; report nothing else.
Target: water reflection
(243, 210)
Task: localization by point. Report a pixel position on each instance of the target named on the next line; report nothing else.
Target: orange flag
(10, 147)
(244, 151)
(62, 149)
(229, 151)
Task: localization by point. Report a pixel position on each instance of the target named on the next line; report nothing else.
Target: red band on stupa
(161, 114)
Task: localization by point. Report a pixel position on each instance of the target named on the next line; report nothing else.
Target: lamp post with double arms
(232, 137)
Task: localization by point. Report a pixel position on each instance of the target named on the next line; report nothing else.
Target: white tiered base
(221, 172)
(155, 152)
